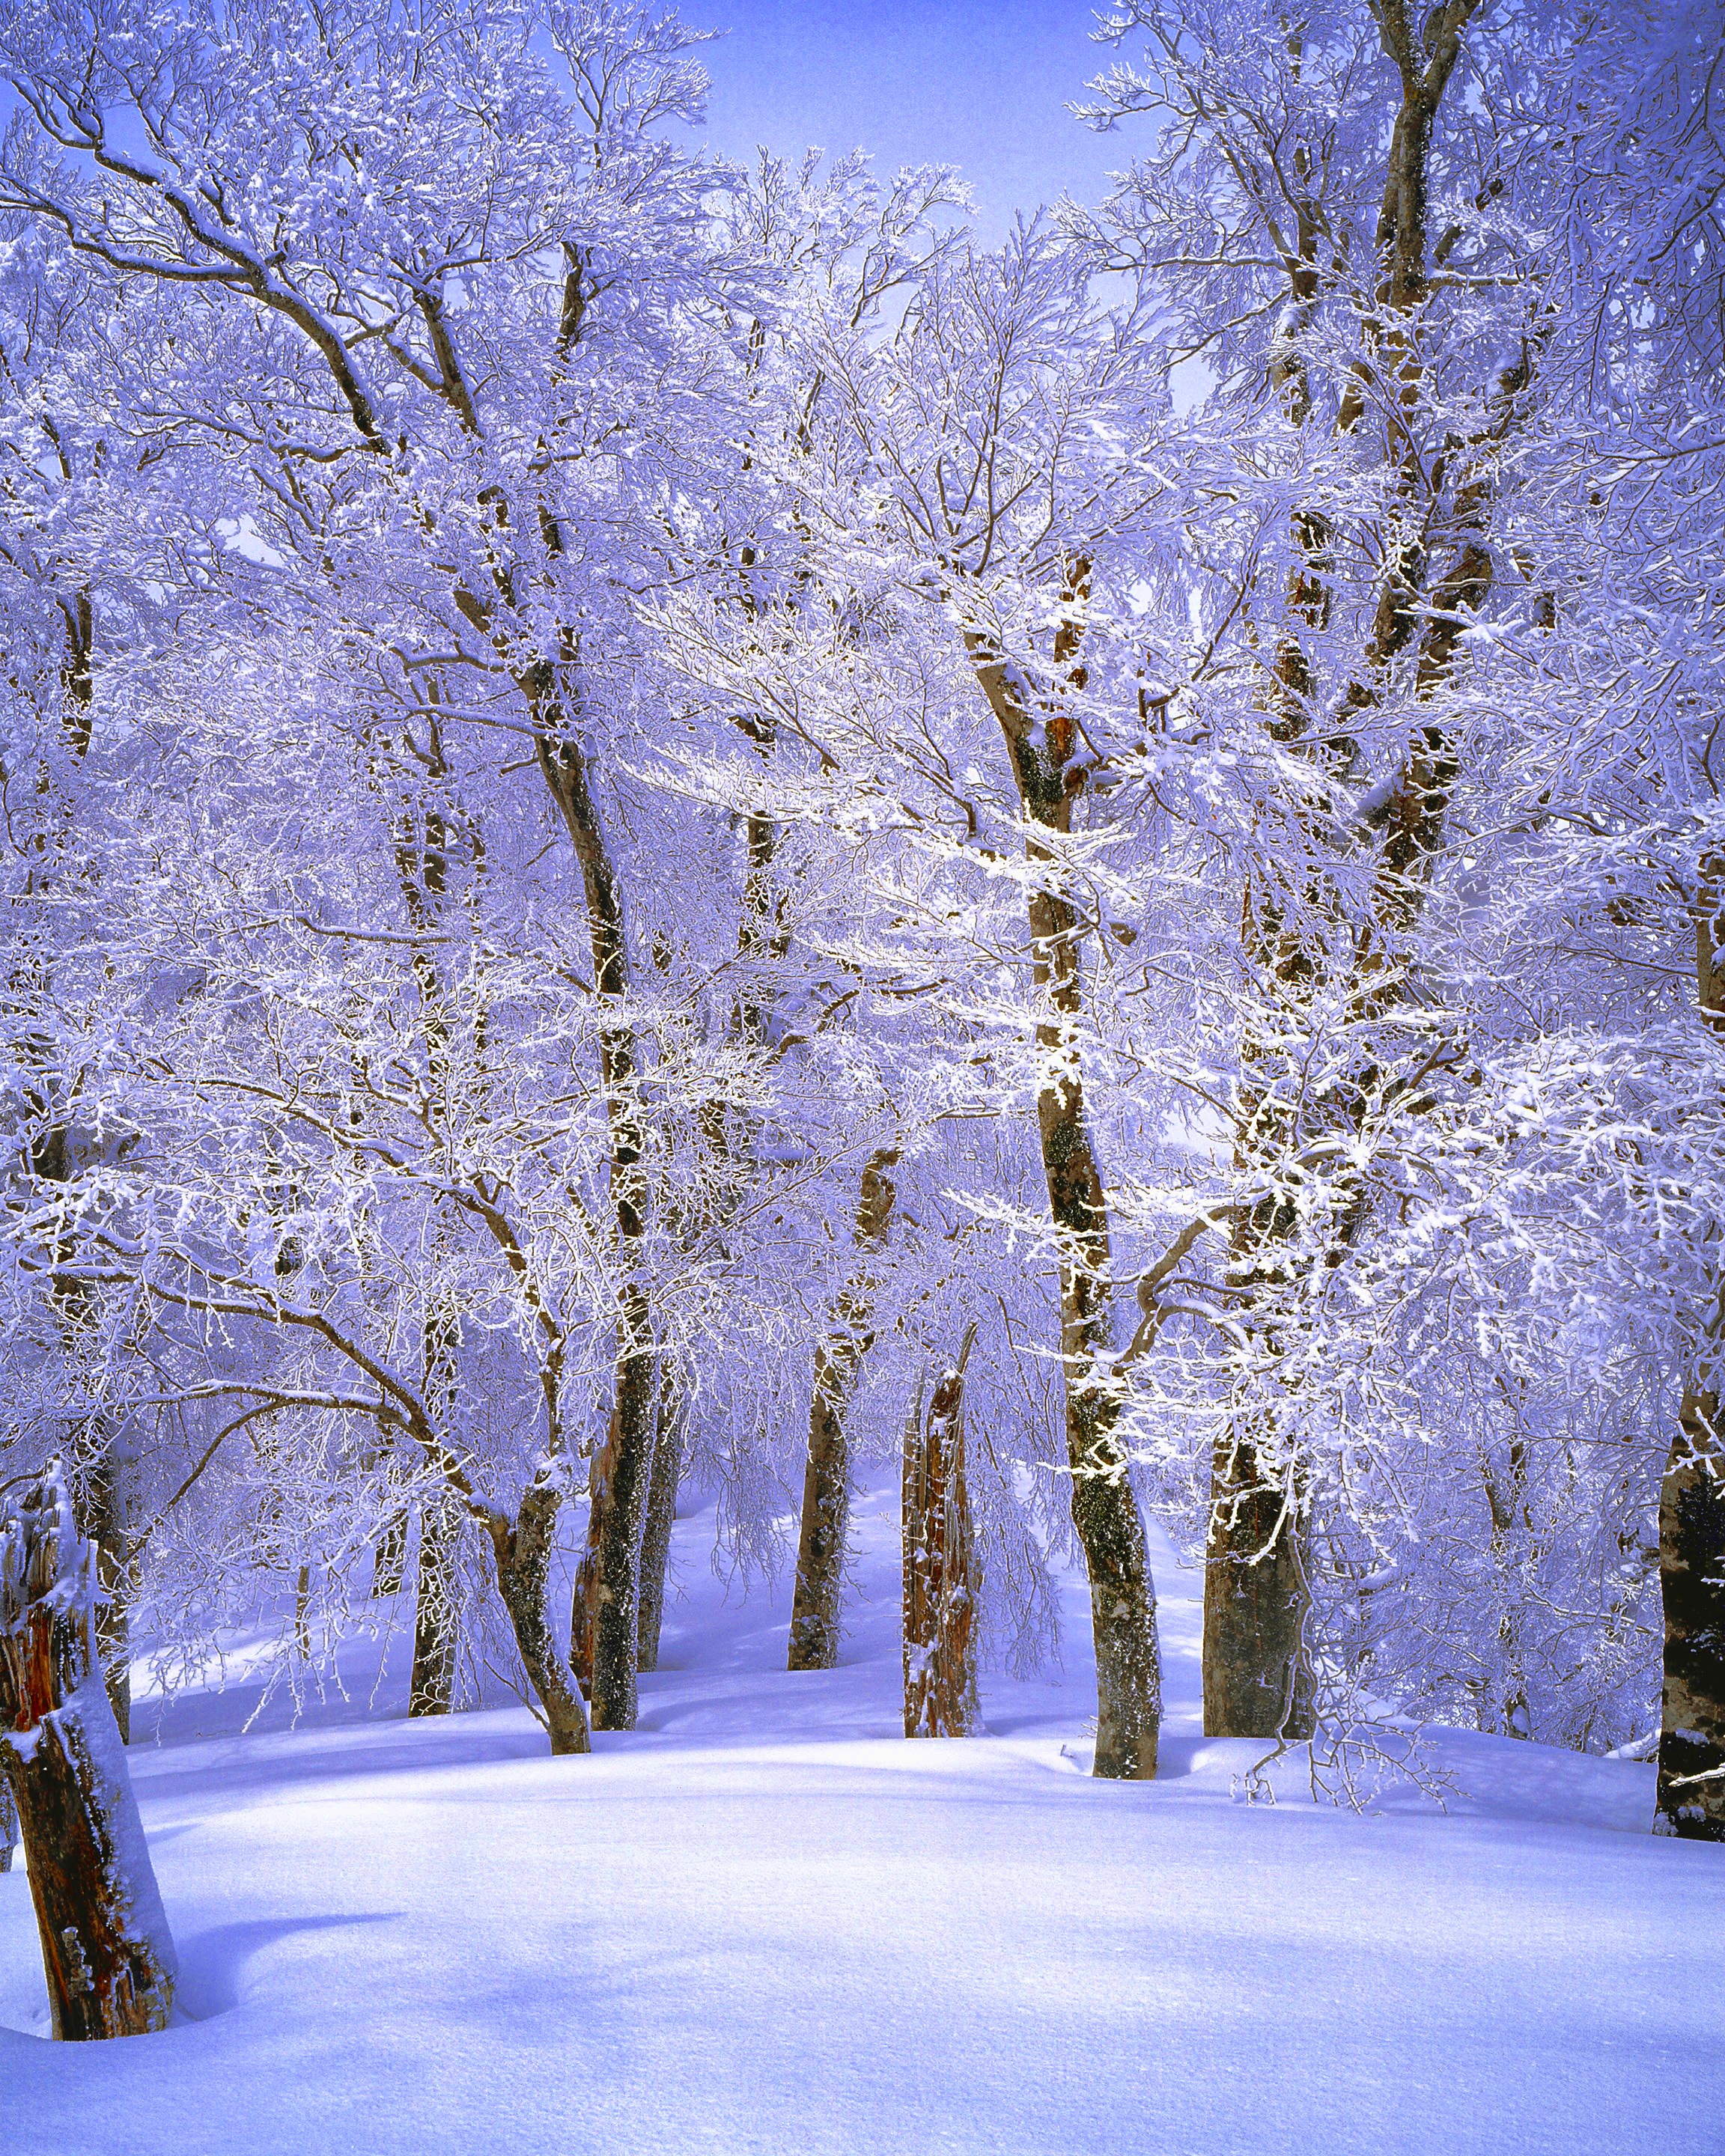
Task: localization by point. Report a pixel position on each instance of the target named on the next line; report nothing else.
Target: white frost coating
(87, 1719)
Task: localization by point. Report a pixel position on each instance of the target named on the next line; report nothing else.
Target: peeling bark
(942, 1576)
(106, 1950)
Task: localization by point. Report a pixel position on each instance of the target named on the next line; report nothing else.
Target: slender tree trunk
(108, 1525)
(523, 1549)
(1691, 1798)
(620, 1505)
(1105, 1511)
(604, 1627)
(431, 1689)
(106, 1950)
(941, 1579)
(8, 1824)
(826, 1477)
(661, 1513)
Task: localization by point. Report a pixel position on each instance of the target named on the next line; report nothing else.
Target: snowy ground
(765, 1924)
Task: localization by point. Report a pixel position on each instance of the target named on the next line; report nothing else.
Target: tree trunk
(942, 1581)
(1257, 1675)
(107, 1526)
(1257, 1678)
(523, 1552)
(431, 1689)
(106, 1950)
(620, 1509)
(661, 1514)
(604, 1625)
(1105, 1512)
(8, 1824)
(826, 1477)
(1691, 1798)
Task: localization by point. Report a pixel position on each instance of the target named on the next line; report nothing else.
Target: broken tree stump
(106, 1951)
(941, 1572)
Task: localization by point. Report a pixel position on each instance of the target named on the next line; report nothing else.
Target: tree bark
(942, 1580)
(106, 1950)
(826, 1477)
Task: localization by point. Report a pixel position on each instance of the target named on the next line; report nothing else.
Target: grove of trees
(667, 824)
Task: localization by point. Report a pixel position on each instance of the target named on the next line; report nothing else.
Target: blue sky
(980, 83)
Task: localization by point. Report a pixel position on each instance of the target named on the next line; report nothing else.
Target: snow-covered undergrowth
(765, 1922)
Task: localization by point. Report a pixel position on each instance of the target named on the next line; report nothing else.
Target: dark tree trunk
(611, 1591)
(1691, 1800)
(942, 1581)
(523, 1551)
(107, 1525)
(1257, 1674)
(826, 1477)
(661, 1514)
(1105, 1511)
(431, 1689)
(106, 1950)
(604, 1638)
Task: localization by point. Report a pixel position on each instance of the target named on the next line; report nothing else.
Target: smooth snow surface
(766, 1924)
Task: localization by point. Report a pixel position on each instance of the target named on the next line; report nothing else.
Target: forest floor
(763, 1923)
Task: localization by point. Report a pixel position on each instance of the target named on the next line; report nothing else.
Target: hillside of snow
(764, 1923)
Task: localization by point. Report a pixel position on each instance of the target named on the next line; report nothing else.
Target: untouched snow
(764, 1923)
